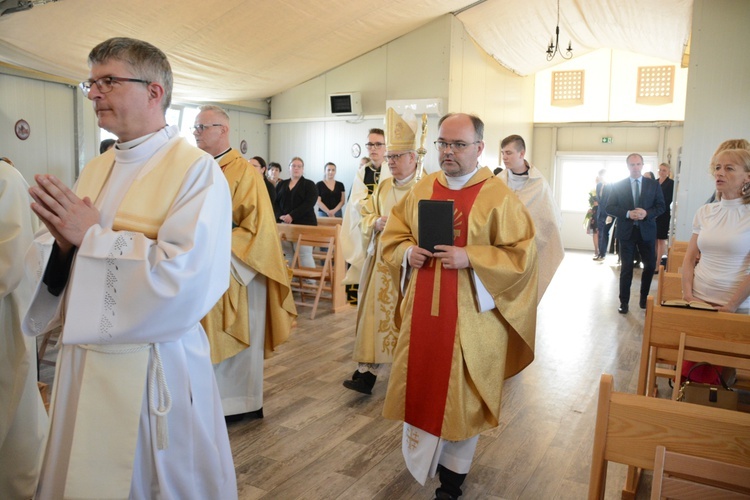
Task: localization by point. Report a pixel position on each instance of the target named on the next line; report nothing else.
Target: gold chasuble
(451, 359)
(151, 195)
(377, 322)
(256, 243)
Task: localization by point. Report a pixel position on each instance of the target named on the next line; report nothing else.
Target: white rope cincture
(159, 397)
(160, 400)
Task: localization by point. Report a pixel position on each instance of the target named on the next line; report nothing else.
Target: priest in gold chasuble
(255, 315)
(377, 328)
(468, 312)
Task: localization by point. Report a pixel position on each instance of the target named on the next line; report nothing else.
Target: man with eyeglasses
(532, 188)
(469, 317)
(258, 309)
(132, 259)
(377, 329)
(364, 183)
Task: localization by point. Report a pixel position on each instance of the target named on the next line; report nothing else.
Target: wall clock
(23, 129)
(356, 150)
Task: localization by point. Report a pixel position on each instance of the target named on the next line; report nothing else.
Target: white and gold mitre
(400, 131)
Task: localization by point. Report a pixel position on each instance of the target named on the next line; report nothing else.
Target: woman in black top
(295, 202)
(331, 193)
(662, 221)
(296, 196)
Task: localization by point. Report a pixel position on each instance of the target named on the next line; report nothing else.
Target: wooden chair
(290, 232)
(49, 339)
(313, 280)
(629, 427)
(716, 352)
(687, 477)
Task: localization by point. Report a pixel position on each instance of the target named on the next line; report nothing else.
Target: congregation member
(23, 420)
(662, 221)
(377, 327)
(331, 193)
(533, 189)
(295, 204)
(604, 221)
(274, 174)
(255, 315)
(129, 263)
(636, 202)
(452, 357)
(367, 177)
(106, 145)
(260, 165)
(721, 236)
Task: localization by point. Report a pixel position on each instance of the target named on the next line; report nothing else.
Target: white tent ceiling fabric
(237, 50)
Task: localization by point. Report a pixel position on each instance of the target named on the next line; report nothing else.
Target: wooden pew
(290, 232)
(329, 221)
(669, 285)
(629, 427)
(661, 336)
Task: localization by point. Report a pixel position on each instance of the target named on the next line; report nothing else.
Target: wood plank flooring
(319, 440)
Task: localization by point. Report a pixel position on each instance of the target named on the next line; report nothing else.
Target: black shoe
(450, 484)
(233, 418)
(255, 414)
(623, 309)
(643, 303)
(355, 375)
(363, 383)
(241, 416)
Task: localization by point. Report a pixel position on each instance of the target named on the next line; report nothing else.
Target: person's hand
(452, 257)
(418, 256)
(638, 214)
(67, 216)
(380, 223)
(286, 219)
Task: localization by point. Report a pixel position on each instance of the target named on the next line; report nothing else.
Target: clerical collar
(456, 183)
(222, 154)
(526, 172)
(135, 142)
(405, 180)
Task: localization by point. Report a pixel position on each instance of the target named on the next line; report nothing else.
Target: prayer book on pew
(435, 223)
(693, 304)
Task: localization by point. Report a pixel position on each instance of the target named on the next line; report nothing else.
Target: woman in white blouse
(721, 237)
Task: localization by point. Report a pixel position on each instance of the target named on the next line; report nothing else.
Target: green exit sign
(607, 140)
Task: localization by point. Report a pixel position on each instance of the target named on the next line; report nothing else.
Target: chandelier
(554, 47)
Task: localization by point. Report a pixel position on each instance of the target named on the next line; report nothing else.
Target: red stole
(433, 324)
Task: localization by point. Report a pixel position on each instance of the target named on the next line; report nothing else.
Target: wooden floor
(319, 440)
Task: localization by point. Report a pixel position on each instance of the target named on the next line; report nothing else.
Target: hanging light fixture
(554, 47)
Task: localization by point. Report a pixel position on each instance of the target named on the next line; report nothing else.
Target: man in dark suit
(636, 202)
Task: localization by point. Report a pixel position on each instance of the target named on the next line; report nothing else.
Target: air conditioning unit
(346, 103)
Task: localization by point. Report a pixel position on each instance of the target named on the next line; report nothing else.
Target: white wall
(441, 61)
(49, 109)
(718, 98)
(610, 82)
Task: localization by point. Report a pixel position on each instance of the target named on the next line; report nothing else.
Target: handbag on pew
(718, 396)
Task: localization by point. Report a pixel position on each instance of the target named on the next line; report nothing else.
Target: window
(181, 116)
(577, 174)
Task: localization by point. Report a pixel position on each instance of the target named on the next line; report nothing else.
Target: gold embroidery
(413, 438)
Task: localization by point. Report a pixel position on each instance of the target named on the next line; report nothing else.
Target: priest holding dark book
(469, 317)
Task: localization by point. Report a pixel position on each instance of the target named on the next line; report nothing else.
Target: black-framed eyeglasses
(372, 145)
(456, 147)
(200, 128)
(104, 84)
(395, 156)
